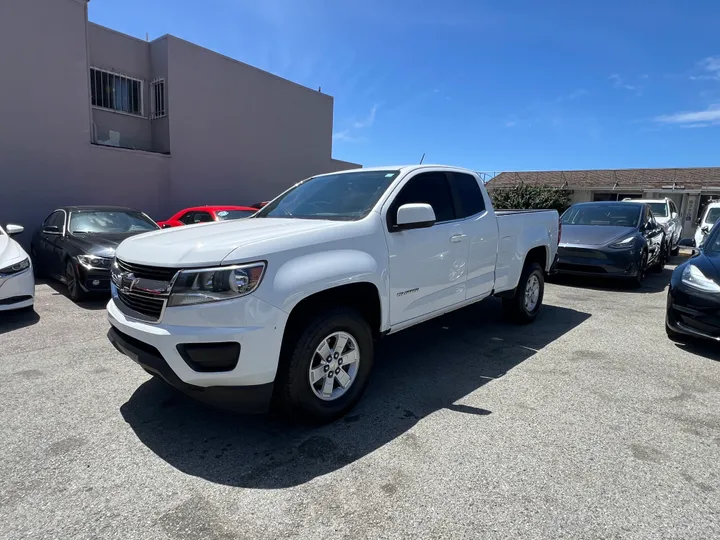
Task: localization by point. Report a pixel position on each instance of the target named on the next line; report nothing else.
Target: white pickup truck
(283, 308)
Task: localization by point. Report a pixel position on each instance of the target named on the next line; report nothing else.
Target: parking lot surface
(588, 423)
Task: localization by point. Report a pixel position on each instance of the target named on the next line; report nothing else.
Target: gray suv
(667, 215)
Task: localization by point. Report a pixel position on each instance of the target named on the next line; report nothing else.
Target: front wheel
(642, 268)
(75, 291)
(324, 373)
(525, 305)
(659, 266)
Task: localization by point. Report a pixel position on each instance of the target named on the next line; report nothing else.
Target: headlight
(214, 284)
(624, 243)
(93, 261)
(15, 268)
(693, 277)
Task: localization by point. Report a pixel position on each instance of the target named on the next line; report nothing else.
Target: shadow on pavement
(707, 349)
(653, 283)
(417, 372)
(93, 302)
(14, 320)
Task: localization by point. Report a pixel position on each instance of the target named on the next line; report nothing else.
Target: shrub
(524, 197)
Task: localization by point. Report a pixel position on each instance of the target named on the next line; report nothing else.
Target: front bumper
(590, 261)
(94, 279)
(693, 313)
(255, 325)
(244, 399)
(17, 291)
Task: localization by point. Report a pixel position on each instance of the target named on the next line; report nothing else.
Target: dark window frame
(391, 216)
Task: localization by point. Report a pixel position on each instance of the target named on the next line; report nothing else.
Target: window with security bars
(116, 92)
(157, 99)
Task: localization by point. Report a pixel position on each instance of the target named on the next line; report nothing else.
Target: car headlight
(15, 268)
(93, 261)
(214, 284)
(693, 277)
(624, 243)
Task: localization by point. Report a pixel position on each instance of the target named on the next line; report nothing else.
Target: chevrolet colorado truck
(283, 308)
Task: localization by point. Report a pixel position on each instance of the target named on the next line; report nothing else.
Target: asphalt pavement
(589, 423)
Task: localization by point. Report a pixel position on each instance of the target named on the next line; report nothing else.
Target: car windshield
(609, 215)
(712, 215)
(659, 209)
(115, 221)
(343, 196)
(224, 215)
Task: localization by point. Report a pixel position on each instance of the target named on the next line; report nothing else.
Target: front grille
(581, 268)
(157, 273)
(581, 253)
(146, 304)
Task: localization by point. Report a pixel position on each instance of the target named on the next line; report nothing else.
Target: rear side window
(187, 218)
(57, 219)
(471, 199)
(430, 188)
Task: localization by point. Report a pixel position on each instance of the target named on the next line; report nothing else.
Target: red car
(205, 214)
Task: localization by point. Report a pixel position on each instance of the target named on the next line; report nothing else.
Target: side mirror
(51, 229)
(687, 242)
(674, 215)
(705, 229)
(166, 226)
(12, 230)
(415, 216)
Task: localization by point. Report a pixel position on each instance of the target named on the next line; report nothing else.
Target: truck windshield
(343, 196)
(603, 214)
(712, 215)
(659, 209)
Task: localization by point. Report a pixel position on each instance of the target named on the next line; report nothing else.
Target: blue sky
(511, 85)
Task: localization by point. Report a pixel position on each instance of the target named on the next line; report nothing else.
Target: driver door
(428, 266)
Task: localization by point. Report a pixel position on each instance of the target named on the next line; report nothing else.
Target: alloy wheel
(532, 293)
(334, 366)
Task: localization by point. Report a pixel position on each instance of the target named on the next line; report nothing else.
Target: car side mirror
(51, 229)
(166, 226)
(705, 229)
(12, 230)
(687, 242)
(415, 216)
(674, 215)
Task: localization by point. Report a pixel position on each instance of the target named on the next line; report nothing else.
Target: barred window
(157, 99)
(116, 92)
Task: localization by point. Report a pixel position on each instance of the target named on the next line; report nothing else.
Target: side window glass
(58, 219)
(430, 188)
(48, 219)
(187, 218)
(202, 217)
(469, 193)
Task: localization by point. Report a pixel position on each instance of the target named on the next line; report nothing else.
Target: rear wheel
(72, 281)
(659, 266)
(525, 305)
(325, 371)
(642, 268)
(675, 251)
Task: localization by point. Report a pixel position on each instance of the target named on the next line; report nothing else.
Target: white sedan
(17, 282)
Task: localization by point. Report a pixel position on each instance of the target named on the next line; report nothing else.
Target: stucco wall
(239, 134)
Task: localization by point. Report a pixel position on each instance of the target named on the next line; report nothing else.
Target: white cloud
(580, 92)
(511, 123)
(706, 118)
(619, 82)
(351, 134)
(710, 67)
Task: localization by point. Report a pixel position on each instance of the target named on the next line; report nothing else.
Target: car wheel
(675, 251)
(324, 373)
(525, 305)
(75, 292)
(36, 266)
(642, 268)
(659, 266)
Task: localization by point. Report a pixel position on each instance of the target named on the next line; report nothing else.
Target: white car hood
(10, 251)
(227, 241)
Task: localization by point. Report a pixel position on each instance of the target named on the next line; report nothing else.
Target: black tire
(659, 266)
(75, 292)
(294, 393)
(515, 308)
(675, 251)
(36, 266)
(642, 268)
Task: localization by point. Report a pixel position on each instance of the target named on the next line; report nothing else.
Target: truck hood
(213, 243)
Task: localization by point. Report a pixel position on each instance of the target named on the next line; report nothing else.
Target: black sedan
(611, 239)
(693, 302)
(76, 245)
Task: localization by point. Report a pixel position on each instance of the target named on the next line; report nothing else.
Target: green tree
(525, 197)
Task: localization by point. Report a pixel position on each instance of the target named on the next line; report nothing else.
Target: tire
(659, 266)
(36, 267)
(675, 251)
(638, 280)
(297, 397)
(516, 308)
(75, 292)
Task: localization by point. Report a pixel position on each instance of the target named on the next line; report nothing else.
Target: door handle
(455, 238)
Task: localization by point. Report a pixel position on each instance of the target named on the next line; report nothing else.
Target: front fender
(303, 276)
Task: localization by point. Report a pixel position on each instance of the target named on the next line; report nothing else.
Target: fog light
(96, 282)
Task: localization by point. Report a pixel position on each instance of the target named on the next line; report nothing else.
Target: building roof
(681, 179)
